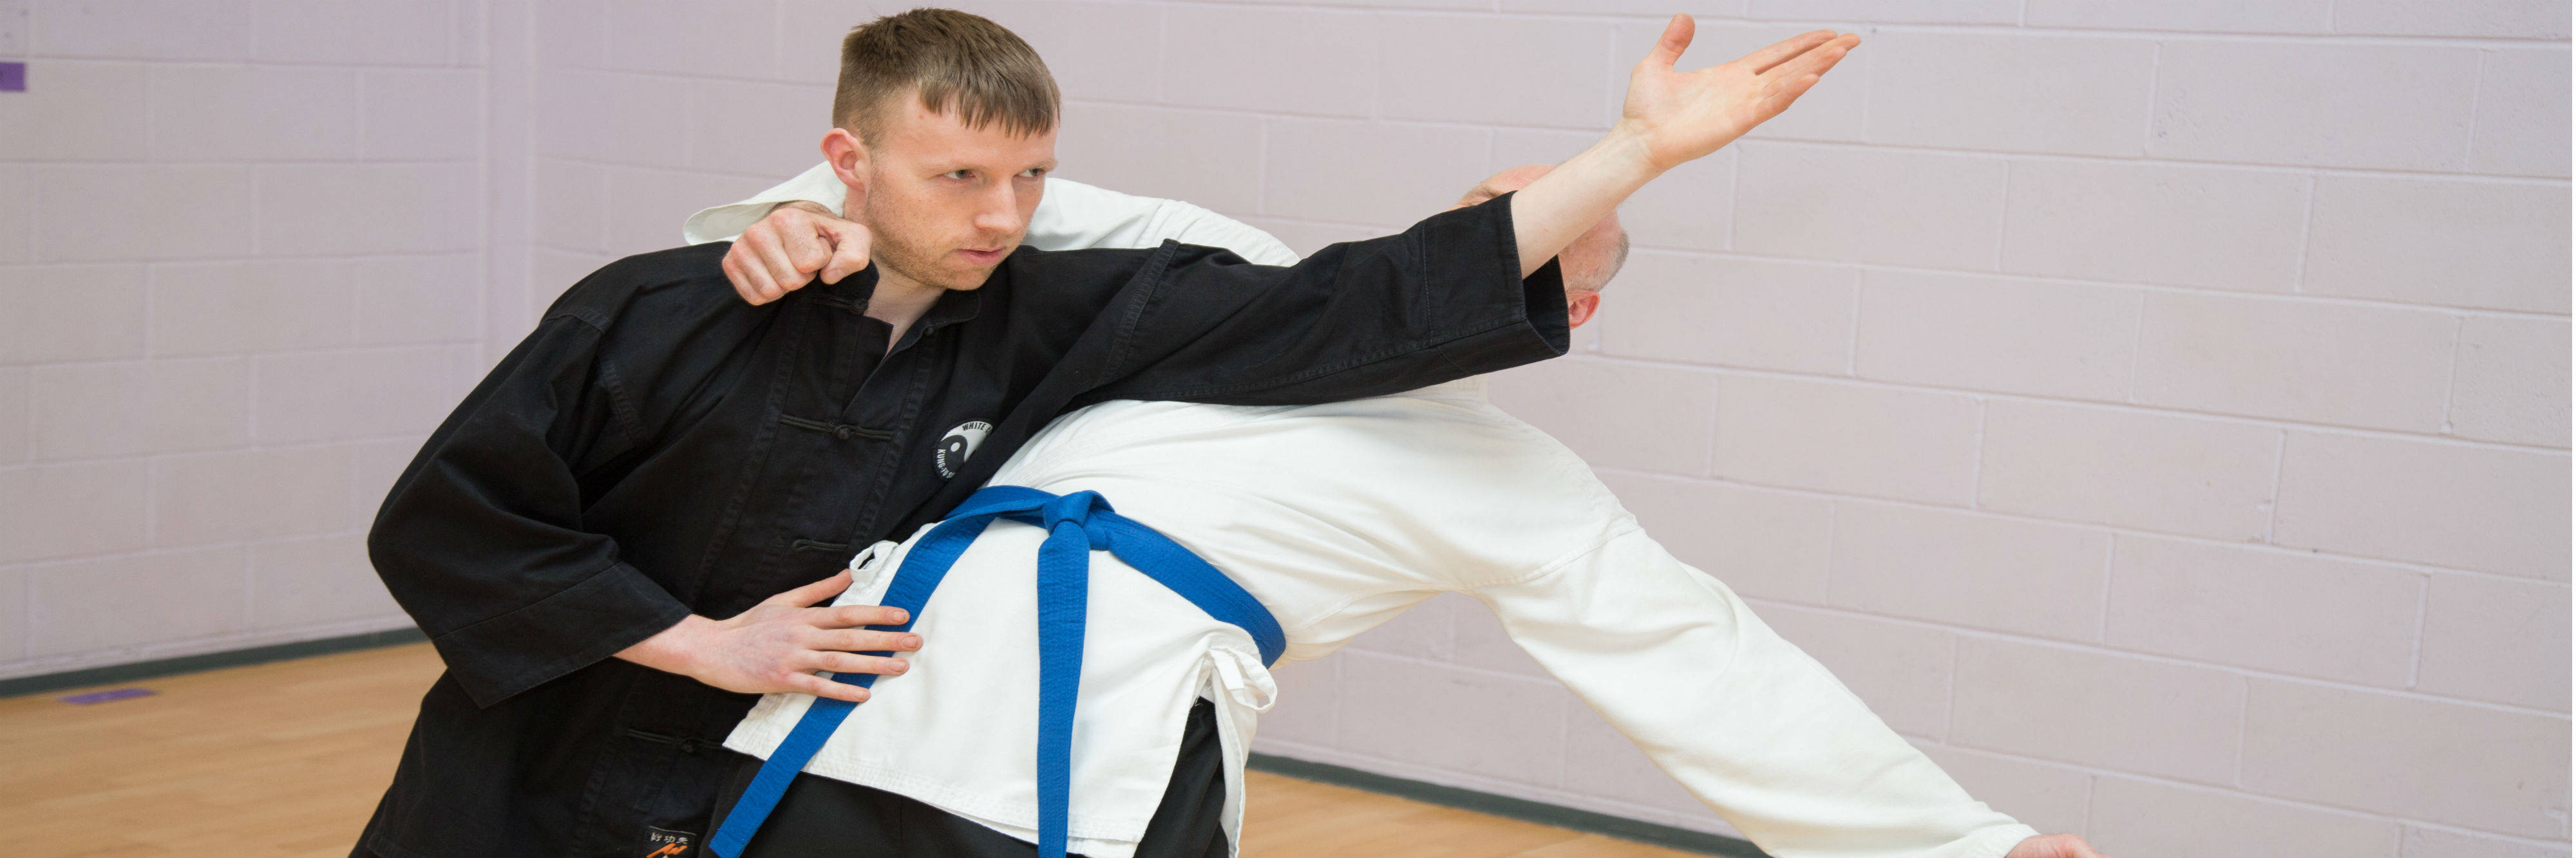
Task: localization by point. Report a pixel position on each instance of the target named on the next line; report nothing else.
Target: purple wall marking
(13, 77)
(105, 696)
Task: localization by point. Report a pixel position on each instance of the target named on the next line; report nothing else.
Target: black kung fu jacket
(658, 448)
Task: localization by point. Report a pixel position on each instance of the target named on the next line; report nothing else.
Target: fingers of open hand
(1783, 93)
(846, 616)
(818, 686)
(864, 640)
(1816, 60)
(1771, 56)
(850, 662)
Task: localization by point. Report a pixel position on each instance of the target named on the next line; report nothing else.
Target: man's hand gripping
(777, 644)
(785, 251)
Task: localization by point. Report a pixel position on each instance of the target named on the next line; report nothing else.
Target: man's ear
(849, 159)
(1579, 307)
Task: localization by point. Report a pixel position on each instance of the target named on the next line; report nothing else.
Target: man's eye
(1034, 172)
(959, 174)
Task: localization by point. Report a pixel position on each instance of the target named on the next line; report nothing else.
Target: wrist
(671, 650)
(1631, 146)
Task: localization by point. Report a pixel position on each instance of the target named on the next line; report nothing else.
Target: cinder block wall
(2156, 411)
(242, 255)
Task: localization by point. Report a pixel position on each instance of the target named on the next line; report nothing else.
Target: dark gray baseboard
(115, 673)
(1514, 808)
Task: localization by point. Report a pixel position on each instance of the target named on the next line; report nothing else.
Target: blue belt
(1076, 524)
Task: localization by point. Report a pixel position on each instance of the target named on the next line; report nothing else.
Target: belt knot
(1076, 509)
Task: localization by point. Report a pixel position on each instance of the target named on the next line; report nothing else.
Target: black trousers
(819, 816)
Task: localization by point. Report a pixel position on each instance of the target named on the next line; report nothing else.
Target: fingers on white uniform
(808, 683)
(846, 616)
(850, 662)
(862, 640)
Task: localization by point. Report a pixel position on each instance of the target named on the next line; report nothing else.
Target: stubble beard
(905, 258)
(902, 259)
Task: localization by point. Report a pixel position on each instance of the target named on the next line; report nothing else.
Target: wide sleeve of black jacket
(481, 537)
(1441, 301)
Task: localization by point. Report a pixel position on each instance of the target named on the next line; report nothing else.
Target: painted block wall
(2156, 411)
(243, 254)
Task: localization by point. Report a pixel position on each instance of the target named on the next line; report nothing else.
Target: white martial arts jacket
(1339, 517)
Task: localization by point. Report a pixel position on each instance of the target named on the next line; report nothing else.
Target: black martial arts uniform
(657, 447)
(819, 817)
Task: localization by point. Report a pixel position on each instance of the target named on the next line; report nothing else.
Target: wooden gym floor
(288, 758)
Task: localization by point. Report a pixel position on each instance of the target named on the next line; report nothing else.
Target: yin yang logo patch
(958, 444)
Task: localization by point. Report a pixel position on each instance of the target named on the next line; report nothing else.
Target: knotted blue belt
(1076, 524)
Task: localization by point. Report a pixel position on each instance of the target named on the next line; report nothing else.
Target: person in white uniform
(1337, 518)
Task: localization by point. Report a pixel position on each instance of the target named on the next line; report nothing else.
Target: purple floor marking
(105, 696)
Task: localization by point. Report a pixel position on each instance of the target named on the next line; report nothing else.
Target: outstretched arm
(1670, 118)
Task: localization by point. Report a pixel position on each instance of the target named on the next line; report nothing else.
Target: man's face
(947, 202)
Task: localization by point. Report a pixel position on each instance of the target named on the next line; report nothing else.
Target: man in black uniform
(658, 453)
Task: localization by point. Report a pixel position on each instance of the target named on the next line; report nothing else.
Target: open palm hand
(1686, 115)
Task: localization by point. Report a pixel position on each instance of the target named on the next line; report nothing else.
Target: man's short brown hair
(955, 61)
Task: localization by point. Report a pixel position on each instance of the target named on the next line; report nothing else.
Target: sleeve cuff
(497, 658)
(1542, 292)
(818, 184)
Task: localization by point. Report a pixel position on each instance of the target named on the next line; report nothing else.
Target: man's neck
(900, 301)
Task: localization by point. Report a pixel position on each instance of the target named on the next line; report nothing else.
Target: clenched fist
(785, 251)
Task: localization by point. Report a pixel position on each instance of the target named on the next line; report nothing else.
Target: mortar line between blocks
(2174, 411)
(2049, 279)
(2110, 563)
(1977, 457)
(1934, 27)
(2451, 380)
(1851, 350)
(1816, 494)
(2423, 606)
(1889, 146)
(2137, 348)
(2280, 463)
(2109, 651)
(2307, 228)
(2477, 89)
(2003, 215)
(2244, 725)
